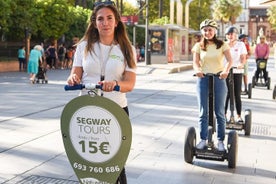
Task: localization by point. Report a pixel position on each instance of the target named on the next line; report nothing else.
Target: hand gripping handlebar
(89, 86)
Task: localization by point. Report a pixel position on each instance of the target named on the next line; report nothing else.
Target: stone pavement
(162, 106)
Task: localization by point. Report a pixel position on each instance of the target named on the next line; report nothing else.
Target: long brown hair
(204, 42)
(120, 35)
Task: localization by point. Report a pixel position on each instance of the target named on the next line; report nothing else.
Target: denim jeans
(220, 92)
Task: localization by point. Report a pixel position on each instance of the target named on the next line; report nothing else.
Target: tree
(79, 23)
(20, 19)
(227, 10)
(271, 13)
(199, 10)
(4, 15)
(53, 18)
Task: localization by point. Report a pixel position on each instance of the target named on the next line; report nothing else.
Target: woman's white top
(105, 59)
(236, 51)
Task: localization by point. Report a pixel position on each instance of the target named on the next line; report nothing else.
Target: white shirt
(93, 66)
(236, 51)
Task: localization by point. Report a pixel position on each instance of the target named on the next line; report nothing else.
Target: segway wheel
(253, 81)
(247, 122)
(232, 146)
(274, 93)
(268, 83)
(190, 143)
(249, 90)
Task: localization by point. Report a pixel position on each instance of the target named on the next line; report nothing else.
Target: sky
(134, 2)
(255, 2)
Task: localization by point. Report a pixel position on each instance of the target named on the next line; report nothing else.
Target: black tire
(247, 122)
(122, 177)
(274, 93)
(232, 146)
(189, 146)
(268, 82)
(253, 82)
(249, 90)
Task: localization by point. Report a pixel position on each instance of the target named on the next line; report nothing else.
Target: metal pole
(147, 57)
(134, 35)
(187, 13)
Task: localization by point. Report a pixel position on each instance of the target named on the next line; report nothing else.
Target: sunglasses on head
(107, 2)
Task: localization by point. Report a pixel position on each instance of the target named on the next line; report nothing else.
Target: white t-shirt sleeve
(78, 56)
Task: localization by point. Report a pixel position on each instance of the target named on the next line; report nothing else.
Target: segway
(210, 152)
(96, 135)
(261, 64)
(232, 123)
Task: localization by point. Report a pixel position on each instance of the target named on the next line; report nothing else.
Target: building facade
(252, 20)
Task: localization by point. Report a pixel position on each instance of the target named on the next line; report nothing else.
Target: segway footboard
(211, 154)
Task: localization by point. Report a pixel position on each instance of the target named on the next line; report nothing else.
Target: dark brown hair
(204, 42)
(120, 35)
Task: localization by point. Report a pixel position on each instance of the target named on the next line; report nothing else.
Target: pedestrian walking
(33, 63)
(22, 58)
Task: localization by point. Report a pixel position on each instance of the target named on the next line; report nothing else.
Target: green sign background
(96, 172)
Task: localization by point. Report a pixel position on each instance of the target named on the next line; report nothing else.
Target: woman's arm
(228, 64)
(197, 65)
(126, 84)
(75, 76)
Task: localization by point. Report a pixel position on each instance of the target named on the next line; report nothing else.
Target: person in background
(68, 58)
(34, 59)
(105, 56)
(208, 57)
(244, 39)
(261, 53)
(61, 55)
(21, 54)
(238, 53)
(52, 56)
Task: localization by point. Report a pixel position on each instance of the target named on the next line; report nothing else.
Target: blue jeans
(220, 92)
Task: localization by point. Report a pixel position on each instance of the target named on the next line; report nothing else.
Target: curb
(169, 68)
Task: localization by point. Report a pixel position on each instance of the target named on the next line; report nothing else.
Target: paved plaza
(162, 106)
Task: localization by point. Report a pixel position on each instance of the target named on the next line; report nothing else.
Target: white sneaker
(201, 145)
(221, 146)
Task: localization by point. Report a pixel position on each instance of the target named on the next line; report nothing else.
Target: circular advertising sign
(95, 134)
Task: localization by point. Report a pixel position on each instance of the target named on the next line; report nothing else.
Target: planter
(9, 66)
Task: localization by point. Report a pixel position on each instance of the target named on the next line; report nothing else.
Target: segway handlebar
(88, 86)
(210, 74)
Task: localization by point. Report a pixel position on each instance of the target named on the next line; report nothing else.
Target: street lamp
(257, 16)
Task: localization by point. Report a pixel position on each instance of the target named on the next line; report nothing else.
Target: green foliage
(271, 13)
(161, 21)
(198, 11)
(79, 23)
(227, 10)
(21, 14)
(4, 14)
(54, 18)
(129, 9)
